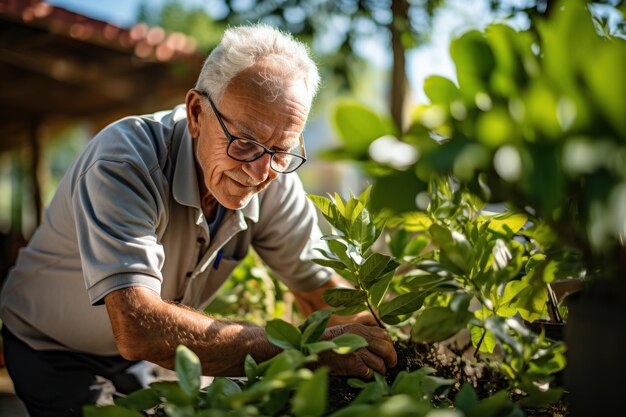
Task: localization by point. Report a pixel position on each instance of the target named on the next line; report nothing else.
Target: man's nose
(258, 170)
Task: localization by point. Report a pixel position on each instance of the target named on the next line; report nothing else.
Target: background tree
(334, 26)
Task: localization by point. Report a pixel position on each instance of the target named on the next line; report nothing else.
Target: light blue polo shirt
(127, 213)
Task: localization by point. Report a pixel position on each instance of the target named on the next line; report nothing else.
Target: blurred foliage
(533, 123)
(254, 294)
(341, 24)
(174, 16)
(333, 28)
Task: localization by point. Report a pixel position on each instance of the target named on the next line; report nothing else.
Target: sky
(455, 18)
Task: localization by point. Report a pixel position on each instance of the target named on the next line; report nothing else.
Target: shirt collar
(185, 181)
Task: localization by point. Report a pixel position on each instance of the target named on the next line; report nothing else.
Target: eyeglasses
(248, 150)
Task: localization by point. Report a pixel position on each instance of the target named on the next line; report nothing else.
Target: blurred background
(70, 67)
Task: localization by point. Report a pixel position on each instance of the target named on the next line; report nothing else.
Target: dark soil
(447, 363)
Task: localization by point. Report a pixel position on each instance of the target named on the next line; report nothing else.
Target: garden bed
(448, 362)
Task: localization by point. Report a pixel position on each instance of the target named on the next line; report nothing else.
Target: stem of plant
(480, 342)
(380, 323)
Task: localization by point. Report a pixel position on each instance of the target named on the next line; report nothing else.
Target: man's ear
(193, 103)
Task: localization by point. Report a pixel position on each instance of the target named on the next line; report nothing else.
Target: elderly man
(151, 219)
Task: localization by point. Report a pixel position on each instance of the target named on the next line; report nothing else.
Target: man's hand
(364, 317)
(377, 356)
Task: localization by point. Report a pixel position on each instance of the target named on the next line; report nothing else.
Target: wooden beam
(35, 166)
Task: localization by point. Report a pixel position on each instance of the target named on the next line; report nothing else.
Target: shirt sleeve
(288, 234)
(116, 213)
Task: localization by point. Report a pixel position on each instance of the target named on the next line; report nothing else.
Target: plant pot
(596, 337)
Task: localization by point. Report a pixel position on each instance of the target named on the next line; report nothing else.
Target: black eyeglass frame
(231, 138)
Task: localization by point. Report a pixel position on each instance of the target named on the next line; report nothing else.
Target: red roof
(148, 43)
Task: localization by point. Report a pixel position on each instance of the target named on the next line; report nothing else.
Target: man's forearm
(148, 328)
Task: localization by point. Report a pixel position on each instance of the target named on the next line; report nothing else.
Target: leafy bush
(534, 124)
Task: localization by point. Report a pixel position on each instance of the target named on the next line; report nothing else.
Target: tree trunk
(399, 24)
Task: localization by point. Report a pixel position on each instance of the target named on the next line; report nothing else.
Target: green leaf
(415, 383)
(460, 302)
(172, 392)
(441, 90)
(507, 223)
(425, 282)
(358, 126)
(143, 399)
(497, 405)
(287, 360)
(174, 410)
(537, 398)
(454, 245)
(357, 383)
(466, 398)
(322, 203)
(349, 311)
(219, 389)
(373, 392)
(430, 384)
(353, 209)
(436, 324)
(330, 263)
(499, 328)
(373, 267)
(365, 195)
(488, 341)
(283, 334)
(379, 288)
(548, 361)
(348, 343)
(474, 62)
(507, 260)
(524, 297)
(363, 230)
(109, 411)
(188, 370)
(341, 207)
(250, 368)
(329, 210)
(276, 402)
(317, 347)
(314, 325)
(409, 383)
(339, 249)
(344, 297)
(416, 246)
(403, 304)
(310, 398)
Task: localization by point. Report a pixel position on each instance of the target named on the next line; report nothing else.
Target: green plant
(452, 254)
(282, 384)
(540, 126)
(354, 231)
(285, 384)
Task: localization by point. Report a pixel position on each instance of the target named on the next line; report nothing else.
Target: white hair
(244, 46)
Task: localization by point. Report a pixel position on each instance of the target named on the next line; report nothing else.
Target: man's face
(247, 114)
